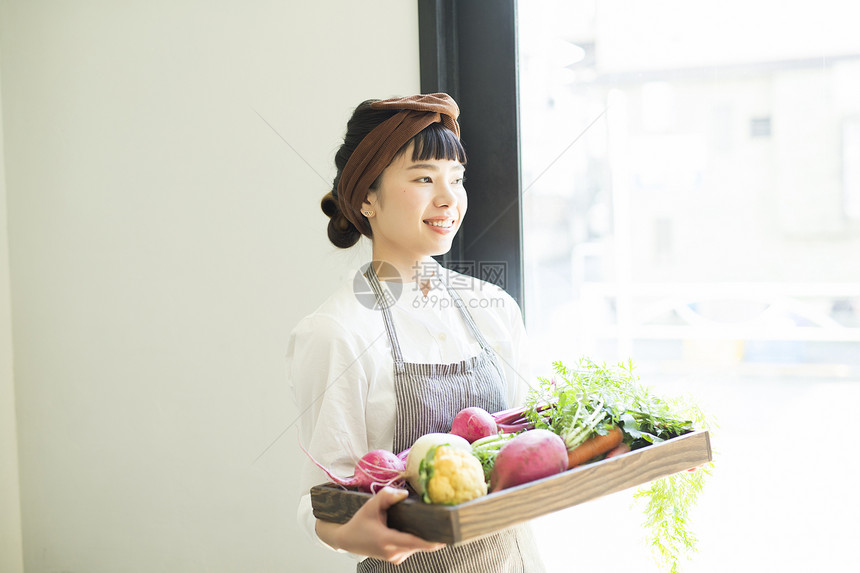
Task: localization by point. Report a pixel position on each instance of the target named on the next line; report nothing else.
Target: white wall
(163, 242)
(10, 503)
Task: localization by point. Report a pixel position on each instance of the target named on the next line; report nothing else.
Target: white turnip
(473, 424)
(529, 456)
(419, 450)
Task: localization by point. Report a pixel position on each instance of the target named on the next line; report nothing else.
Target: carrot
(621, 448)
(594, 446)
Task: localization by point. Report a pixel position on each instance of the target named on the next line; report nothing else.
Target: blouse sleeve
(330, 387)
(521, 362)
(503, 321)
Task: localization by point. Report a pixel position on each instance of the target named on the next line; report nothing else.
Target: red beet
(532, 455)
(375, 470)
(473, 424)
(404, 455)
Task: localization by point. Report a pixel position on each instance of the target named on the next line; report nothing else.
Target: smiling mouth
(443, 224)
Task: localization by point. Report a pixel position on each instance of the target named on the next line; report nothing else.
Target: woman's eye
(426, 179)
(459, 181)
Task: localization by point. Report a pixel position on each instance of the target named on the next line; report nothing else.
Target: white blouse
(341, 370)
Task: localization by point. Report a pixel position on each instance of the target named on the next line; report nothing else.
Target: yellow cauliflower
(451, 475)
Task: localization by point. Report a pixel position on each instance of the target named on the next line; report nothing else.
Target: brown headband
(375, 152)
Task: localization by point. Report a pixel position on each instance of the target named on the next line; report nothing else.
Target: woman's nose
(446, 196)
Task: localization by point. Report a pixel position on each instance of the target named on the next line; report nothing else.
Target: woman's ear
(369, 203)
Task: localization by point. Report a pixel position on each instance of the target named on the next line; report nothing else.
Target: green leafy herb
(486, 450)
(589, 399)
(667, 503)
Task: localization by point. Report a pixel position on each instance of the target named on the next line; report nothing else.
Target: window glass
(691, 200)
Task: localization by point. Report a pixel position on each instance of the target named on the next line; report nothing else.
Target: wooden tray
(502, 509)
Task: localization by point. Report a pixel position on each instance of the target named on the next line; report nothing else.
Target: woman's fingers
(401, 548)
(388, 496)
(397, 544)
(407, 541)
(367, 533)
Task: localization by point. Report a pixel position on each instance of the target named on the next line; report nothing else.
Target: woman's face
(418, 207)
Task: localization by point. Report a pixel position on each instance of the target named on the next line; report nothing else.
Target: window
(690, 201)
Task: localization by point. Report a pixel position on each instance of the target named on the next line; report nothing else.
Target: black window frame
(468, 49)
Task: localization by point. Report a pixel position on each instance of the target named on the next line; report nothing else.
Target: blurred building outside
(691, 200)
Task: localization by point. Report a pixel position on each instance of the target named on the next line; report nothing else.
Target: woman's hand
(367, 532)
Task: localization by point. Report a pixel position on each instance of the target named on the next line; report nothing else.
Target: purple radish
(404, 455)
(532, 455)
(473, 424)
(373, 471)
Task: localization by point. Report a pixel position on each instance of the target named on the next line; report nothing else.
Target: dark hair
(433, 142)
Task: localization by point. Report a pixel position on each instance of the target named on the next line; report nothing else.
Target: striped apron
(428, 396)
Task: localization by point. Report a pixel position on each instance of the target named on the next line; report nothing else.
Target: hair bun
(341, 232)
(329, 205)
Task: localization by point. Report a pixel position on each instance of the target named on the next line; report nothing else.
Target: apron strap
(381, 302)
(467, 316)
(384, 306)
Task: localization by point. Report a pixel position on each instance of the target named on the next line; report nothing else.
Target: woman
(398, 352)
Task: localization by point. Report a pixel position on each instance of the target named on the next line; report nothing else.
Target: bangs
(437, 142)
